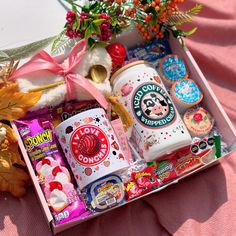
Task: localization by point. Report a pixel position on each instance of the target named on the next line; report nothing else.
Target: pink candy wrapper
(123, 141)
(48, 161)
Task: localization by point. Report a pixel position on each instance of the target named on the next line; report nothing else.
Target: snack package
(201, 153)
(105, 193)
(55, 179)
(146, 178)
(165, 169)
(133, 190)
(65, 111)
(151, 52)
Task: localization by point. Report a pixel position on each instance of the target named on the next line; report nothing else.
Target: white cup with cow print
(90, 146)
(158, 128)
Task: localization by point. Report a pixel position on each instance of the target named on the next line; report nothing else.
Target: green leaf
(74, 26)
(91, 42)
(85, 24)
(150, 10)
(143, 2)
(88, 32)
(78, 25)
(153, 21)
(180, 33)
(190, 32)
(93, 6)
(176, 33)
(179, 18)
(117, 29)
(93, 46)
(114, 22)
(98, 22)
(95, 28)
(64, 44)
(57, 40)
(28, 49)
(102, 44)
(86, 9)
(74, 8)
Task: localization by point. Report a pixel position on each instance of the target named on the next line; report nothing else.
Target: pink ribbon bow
(44, 64)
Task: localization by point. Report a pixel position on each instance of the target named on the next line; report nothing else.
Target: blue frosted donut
(187, 91)
(172, 68)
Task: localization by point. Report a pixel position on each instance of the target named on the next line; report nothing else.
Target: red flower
(70, 34)
(105, 16)
(70, 16)
(198, 117)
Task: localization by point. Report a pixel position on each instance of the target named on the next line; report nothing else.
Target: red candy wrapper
(187, 164)
(146, 178)
(133, 190)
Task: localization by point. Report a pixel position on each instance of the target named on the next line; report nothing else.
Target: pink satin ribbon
(44, 64)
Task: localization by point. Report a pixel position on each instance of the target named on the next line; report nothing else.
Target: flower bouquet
(101, 21)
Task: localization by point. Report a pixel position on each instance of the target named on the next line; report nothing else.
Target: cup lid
(114, 76)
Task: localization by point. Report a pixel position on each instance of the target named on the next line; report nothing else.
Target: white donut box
(210, 102)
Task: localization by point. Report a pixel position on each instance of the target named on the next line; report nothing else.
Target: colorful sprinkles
(172, 68)
(187, 91)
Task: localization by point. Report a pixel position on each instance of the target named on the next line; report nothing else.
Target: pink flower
(105, 31)
(70, 16)
(83, 15)
(198, 117)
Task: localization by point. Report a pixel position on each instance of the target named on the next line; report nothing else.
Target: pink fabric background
(203, 204)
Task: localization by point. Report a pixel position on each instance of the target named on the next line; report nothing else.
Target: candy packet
(141, 182)
(133, 190)
(54, 177)
(105, 193)
(165, 169)
(146, 178)
(151, 52)
(200, 153)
